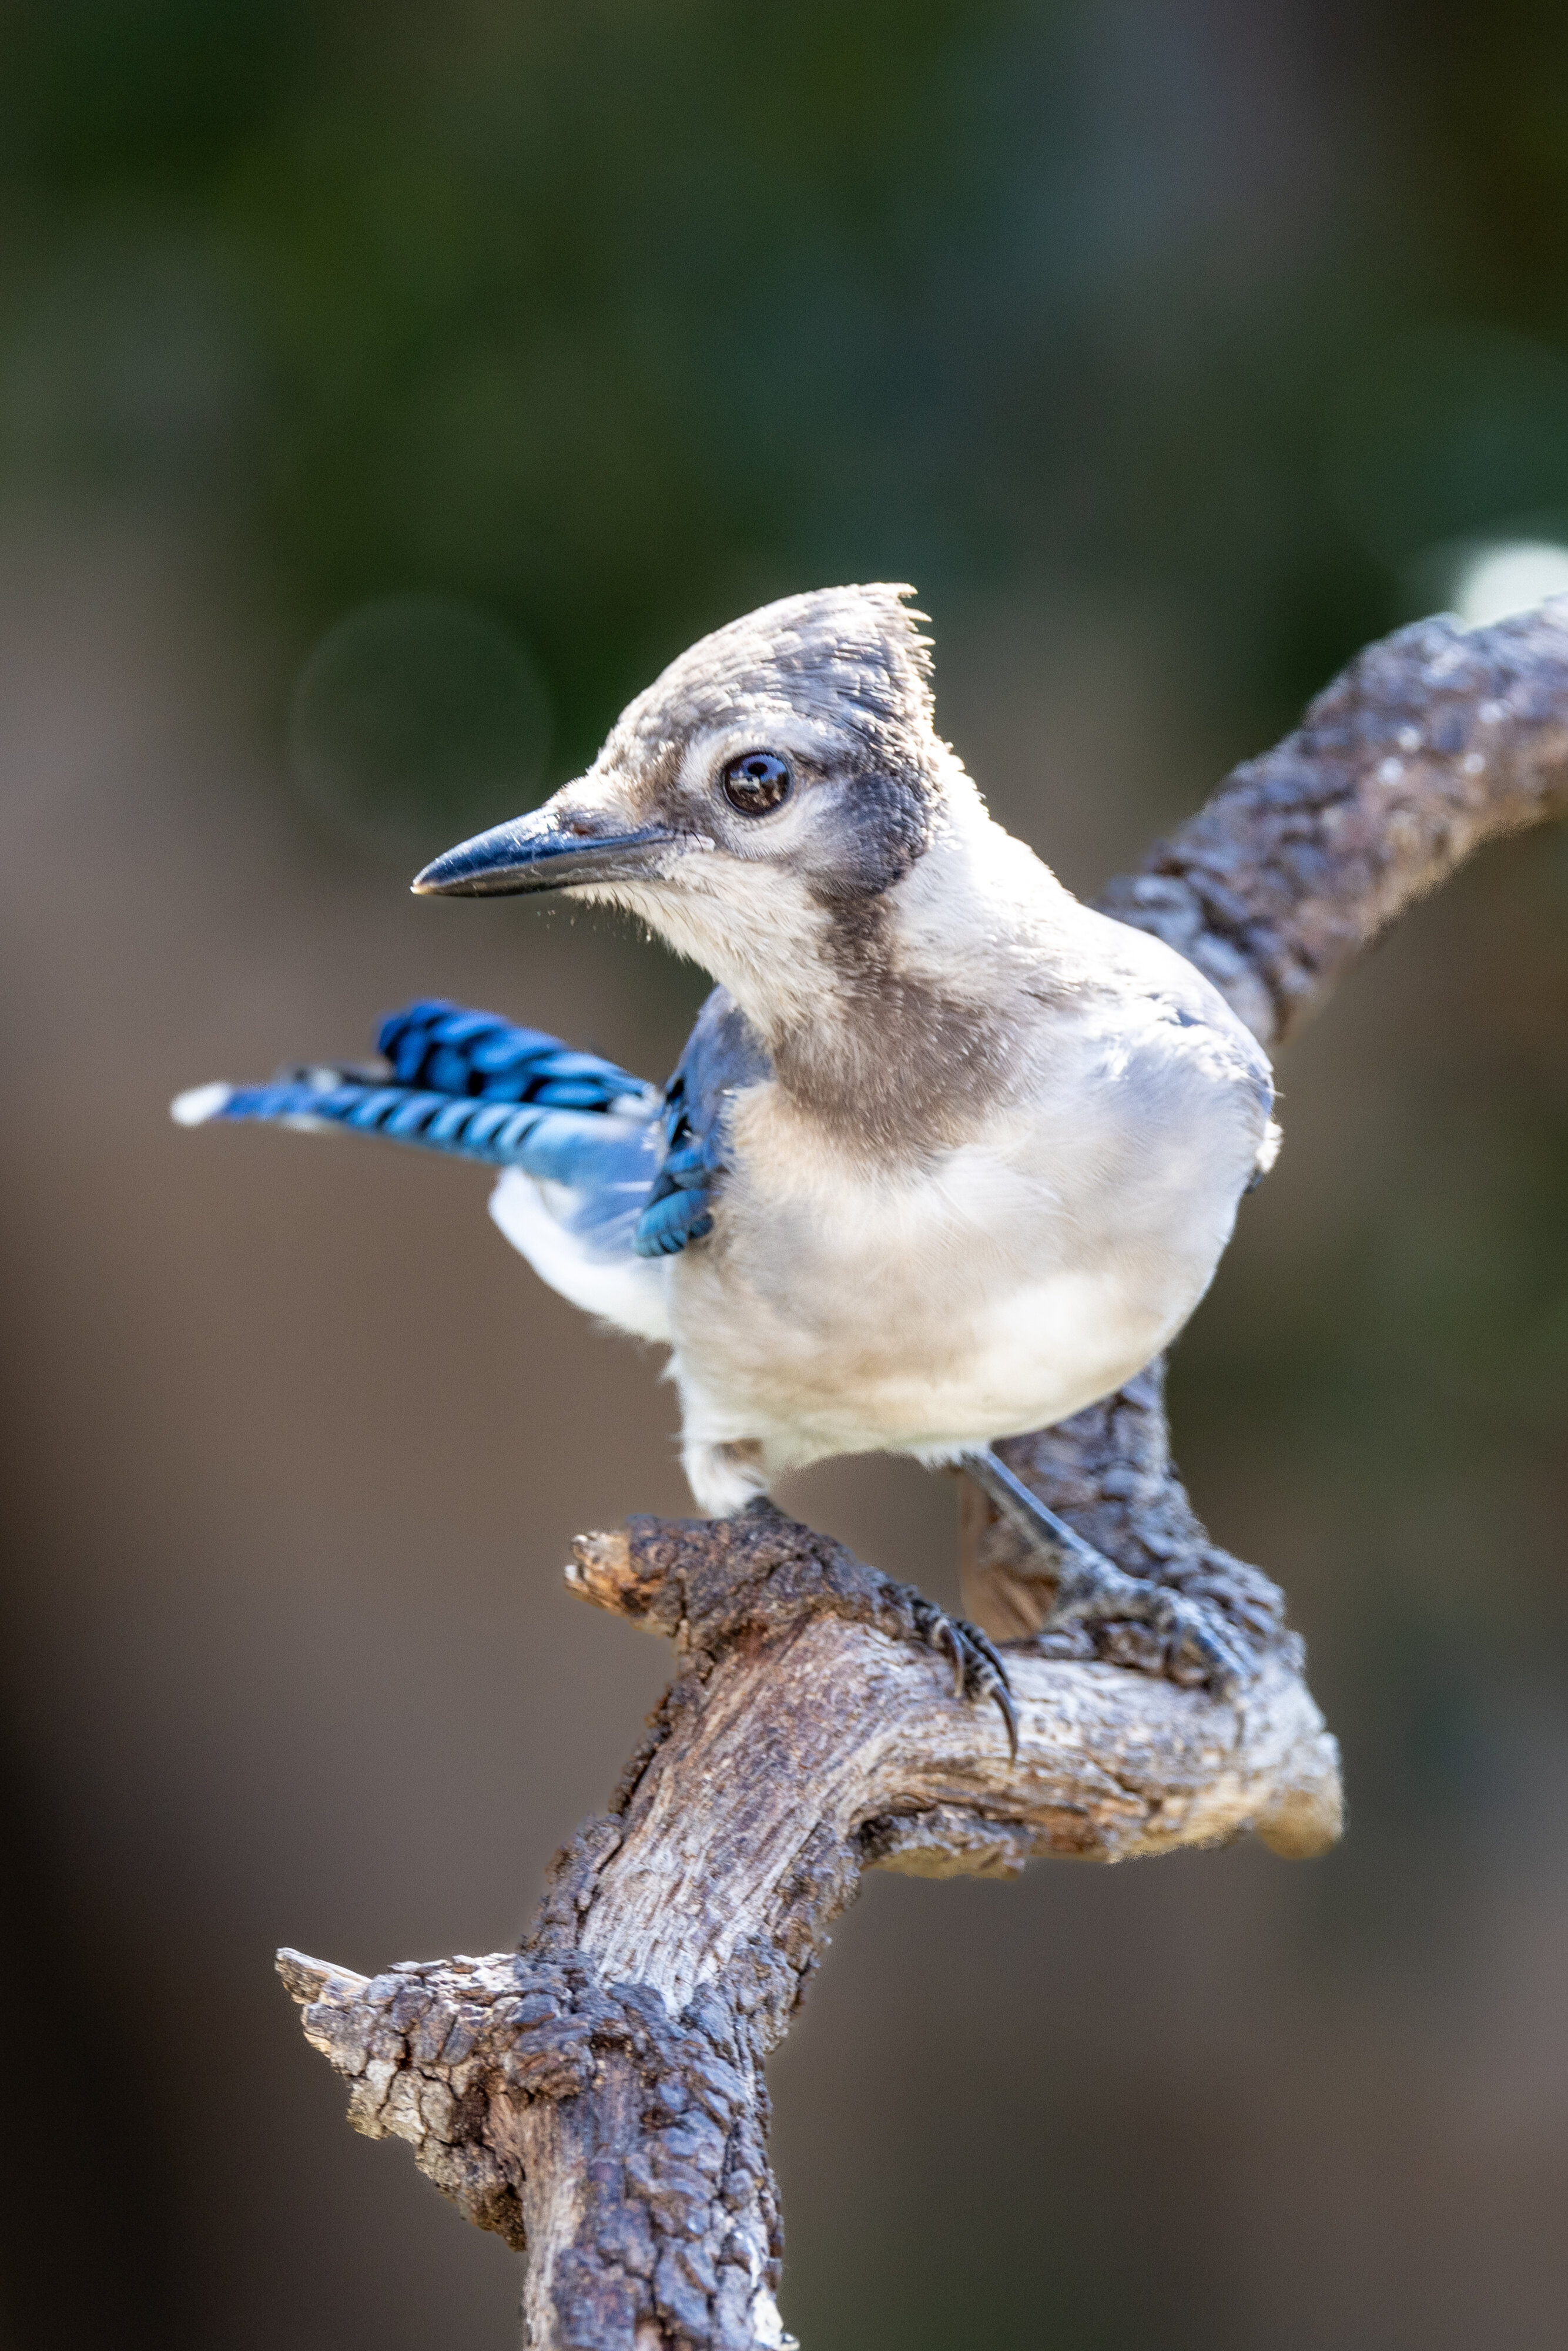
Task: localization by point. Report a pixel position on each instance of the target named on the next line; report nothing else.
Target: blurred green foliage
(619, 317)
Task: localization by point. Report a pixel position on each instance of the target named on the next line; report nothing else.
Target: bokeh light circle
(417, 720)
(1508, 576)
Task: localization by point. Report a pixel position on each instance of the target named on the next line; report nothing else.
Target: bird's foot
(1165, 1632)
(979, 1672)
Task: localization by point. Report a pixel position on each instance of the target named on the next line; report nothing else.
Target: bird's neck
(905, 1022)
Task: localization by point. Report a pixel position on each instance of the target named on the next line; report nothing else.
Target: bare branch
(597, 2097)
(1431, 743)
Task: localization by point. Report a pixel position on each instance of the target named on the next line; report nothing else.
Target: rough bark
(1431, 743)
(598, 2097)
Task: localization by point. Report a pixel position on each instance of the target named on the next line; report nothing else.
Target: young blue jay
(948, 1156)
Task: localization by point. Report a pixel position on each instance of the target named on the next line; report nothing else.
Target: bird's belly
(924, 1338)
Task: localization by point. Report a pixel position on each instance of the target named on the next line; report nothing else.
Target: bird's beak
(553, 849)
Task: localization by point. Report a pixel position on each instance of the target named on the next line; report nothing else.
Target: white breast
(995, 1287)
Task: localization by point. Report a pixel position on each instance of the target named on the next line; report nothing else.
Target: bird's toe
(978, 1670)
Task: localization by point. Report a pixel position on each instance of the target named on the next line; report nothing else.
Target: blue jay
(948, 1156)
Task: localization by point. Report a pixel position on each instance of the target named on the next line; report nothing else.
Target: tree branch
(598, 2097)
(1430, 744)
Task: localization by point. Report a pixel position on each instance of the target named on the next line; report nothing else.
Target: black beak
(537, 853)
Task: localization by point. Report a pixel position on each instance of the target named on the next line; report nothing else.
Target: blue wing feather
(441, 1047)
(475, 1087)
(723, 1053)
(642, 1169)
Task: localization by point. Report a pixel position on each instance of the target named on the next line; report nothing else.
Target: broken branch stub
(597, 2097)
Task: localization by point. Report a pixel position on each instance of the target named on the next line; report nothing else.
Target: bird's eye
(757, 782)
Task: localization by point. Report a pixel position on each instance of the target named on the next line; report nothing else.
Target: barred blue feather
(723, 1053)
(452, 1051)
(642, 1168)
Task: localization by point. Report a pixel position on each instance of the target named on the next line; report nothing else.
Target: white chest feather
(987, 1289)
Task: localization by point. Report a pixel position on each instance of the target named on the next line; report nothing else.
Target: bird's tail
(466, 1083)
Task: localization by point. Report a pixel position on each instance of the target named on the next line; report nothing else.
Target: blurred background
(385, 393)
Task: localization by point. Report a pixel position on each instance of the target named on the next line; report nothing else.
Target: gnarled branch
(597, 2097)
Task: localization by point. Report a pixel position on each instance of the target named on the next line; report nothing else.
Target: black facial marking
(884, 825)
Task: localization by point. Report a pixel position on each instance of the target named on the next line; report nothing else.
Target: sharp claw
(990, 1676)
(1224, 1668)
(1004, 1698)
(978, 1671)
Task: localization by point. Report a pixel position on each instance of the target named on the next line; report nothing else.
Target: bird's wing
(722, 1054)
(600, 1174)
(474, 1087)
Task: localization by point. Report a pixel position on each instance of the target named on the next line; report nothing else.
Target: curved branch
(1430, 744)
(598, 2095)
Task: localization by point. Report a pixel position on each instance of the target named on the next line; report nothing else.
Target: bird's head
(759, 804)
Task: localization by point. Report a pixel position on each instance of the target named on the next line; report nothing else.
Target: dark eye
(757, 782)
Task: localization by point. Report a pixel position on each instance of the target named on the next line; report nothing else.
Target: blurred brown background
(384, 393)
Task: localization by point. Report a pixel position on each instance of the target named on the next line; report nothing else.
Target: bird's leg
(1091, 1590)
